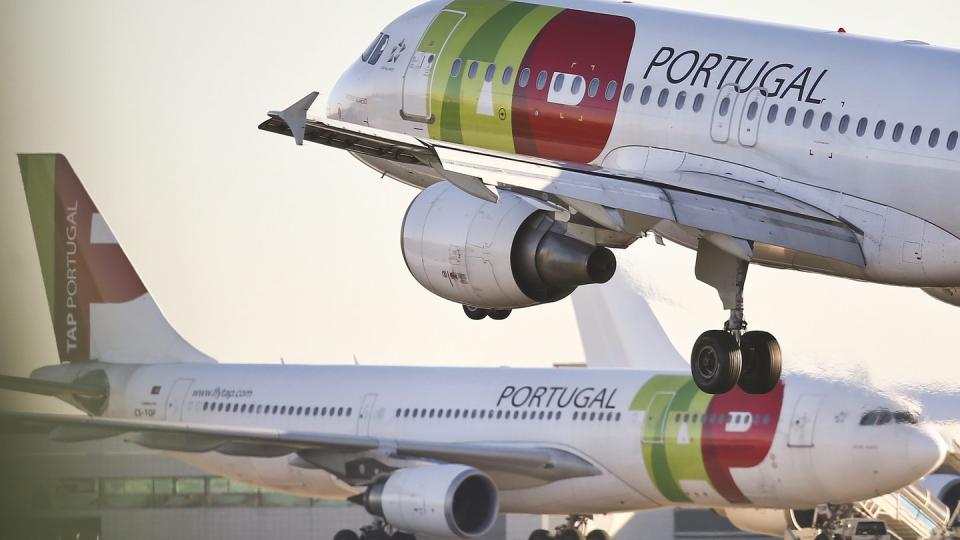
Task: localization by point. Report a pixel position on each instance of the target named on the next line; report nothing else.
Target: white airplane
(620, 329)
(437, 451)
(544, 132)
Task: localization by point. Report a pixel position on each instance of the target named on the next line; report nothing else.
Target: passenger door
(804, 421)
(366, 413)
(655, 422)
(176, 398)
(750, 117)
(723, 113)
(418, 78)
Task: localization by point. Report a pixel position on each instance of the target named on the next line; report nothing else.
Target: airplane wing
(338, 454)
(695, 195)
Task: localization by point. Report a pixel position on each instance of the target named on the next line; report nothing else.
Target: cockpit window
(375, 50)
(882, 417)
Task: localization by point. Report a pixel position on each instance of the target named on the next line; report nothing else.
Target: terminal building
(112, 490)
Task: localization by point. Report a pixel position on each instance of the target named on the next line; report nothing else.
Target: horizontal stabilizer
(49, 388)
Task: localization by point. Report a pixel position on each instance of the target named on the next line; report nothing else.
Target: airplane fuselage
(657, 440)
(863, 129)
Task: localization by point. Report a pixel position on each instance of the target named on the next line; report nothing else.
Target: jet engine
(945, 487)
(436, 500)
(769, 521)
(502, 255)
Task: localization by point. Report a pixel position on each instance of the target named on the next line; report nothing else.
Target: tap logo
(694, 442)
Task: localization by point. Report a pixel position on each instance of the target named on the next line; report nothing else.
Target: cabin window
(316, 410)
(645, 95)
(724, 106)
(456, 414)
(934, 138)
(698, 103)
(593, 88)
(611, 90)
(323, 411)
(826, 121)
(752, 110)
(206, 405)
(558, 82)
(491, 71)
(243, 408)
(627, 93)
(524, 79)
(593, 415)
(618, 417)
(449, 413)
(457, 68)
(898, 132)
(542, 80)
(524, 415)
(576, 85)
(952, 140)
(808, 119)
(416, 413)
(349, 411)
(844, 124)
(507, 75)
(879, 130)
(915, 136)
(681, 100)
(862, 127)
(677, 418)
(259, 409)
(499, 415)
(576, 415)
(772, 113)
(299, 411)
(790, 116)
(375, 50)
(398, 413)
(472, 70)
(663, 98)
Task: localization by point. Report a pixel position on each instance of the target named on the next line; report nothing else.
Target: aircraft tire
(499, 314)
(598, 534)
(402, 536)
(346, 534)
(475, 313)
(376, 534)
(715, 362)
(569, 533)
(540, 534)
(762, 363)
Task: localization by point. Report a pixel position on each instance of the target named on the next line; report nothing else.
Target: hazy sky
(257, 249)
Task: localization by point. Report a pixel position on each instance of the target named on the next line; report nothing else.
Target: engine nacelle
(500, 255)
(437, 500)
(766, 521)
(945, 487)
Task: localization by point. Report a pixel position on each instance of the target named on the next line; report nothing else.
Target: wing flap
(693, 199)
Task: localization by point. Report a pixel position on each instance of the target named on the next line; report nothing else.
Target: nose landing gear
(723, 359)
(378, 530)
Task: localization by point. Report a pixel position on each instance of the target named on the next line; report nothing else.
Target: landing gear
(724, 359)
(478, 314)
(573, 529)
(379, 530)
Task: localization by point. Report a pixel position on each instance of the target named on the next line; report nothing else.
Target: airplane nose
(926, 451)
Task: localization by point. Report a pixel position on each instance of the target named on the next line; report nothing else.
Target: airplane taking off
(543, 133)
(437, 451)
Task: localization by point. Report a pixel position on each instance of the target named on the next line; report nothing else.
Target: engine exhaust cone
(567, 262)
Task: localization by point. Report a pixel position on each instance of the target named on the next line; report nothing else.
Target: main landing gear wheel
(762, 363)
(567, 533)
(346, 534)
(475, 313)
(402, 536)
(598, 534)
(499, 314)
(715, 362)
(540, 534)
(376, 534)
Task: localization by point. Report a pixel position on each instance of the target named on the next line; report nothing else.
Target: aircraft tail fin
(101, 310)
(619, 329)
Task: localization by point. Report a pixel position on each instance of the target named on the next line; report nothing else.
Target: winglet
(295, 116)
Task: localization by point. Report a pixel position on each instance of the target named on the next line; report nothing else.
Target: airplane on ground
(436, 451)
(543, 133)
(620, 329)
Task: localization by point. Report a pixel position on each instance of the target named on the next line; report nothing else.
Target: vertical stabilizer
(619, 329)
(99, 306)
